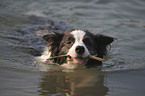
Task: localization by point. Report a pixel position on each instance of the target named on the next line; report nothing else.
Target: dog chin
(78, 59)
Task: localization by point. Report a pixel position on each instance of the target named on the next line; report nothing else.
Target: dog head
(78, 45)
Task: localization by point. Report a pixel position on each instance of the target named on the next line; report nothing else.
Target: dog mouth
(78, 59)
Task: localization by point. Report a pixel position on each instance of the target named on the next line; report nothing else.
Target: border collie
(78, 44)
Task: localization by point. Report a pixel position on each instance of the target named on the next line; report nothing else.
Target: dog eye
(69, 42)
(88, 41)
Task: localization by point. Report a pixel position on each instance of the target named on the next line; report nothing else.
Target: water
(23, 22)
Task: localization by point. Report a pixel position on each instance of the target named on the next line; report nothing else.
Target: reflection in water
(78, 83)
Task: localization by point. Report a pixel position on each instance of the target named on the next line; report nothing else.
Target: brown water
(22, 22)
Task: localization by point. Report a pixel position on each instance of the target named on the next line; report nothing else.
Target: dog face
(78, 45)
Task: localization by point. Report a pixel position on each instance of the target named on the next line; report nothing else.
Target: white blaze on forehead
(78, 35)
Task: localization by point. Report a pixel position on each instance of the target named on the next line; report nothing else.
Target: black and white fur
(78, 45)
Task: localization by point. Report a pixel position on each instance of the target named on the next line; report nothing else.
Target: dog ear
(53, 40)
(53, 37)
(103, 40)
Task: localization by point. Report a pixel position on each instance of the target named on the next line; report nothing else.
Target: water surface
(23, 22)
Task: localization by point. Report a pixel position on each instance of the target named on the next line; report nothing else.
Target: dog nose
(80, 49)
